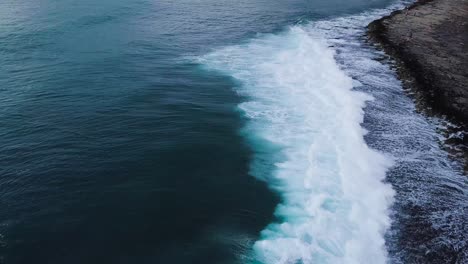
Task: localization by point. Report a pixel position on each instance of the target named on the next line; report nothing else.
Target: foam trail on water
(334, 205)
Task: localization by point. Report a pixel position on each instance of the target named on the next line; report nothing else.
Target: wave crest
(334, 205)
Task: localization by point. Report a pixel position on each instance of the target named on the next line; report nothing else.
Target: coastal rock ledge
(428, 39)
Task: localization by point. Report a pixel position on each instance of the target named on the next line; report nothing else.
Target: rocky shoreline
(429, 40)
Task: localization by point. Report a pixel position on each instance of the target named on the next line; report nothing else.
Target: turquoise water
(207, 131)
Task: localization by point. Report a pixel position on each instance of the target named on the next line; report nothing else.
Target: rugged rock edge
(428, 42)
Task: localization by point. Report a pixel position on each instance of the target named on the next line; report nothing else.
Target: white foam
(334, 205)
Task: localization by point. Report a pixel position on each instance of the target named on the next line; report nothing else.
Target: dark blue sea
(216, 132)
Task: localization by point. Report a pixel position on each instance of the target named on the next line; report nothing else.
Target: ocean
(202, 131)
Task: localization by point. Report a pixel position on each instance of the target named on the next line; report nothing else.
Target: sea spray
(334, 205)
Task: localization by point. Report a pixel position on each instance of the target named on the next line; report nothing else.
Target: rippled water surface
(252, 131)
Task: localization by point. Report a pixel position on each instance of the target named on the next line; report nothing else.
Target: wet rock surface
(429, 41)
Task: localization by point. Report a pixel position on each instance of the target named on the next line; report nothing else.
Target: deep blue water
(117, 145)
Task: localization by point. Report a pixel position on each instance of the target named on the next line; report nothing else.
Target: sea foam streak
(334, 205)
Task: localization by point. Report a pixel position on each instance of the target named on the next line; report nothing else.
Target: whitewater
(316, 100)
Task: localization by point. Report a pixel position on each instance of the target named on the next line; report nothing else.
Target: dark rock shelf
(429, 42)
